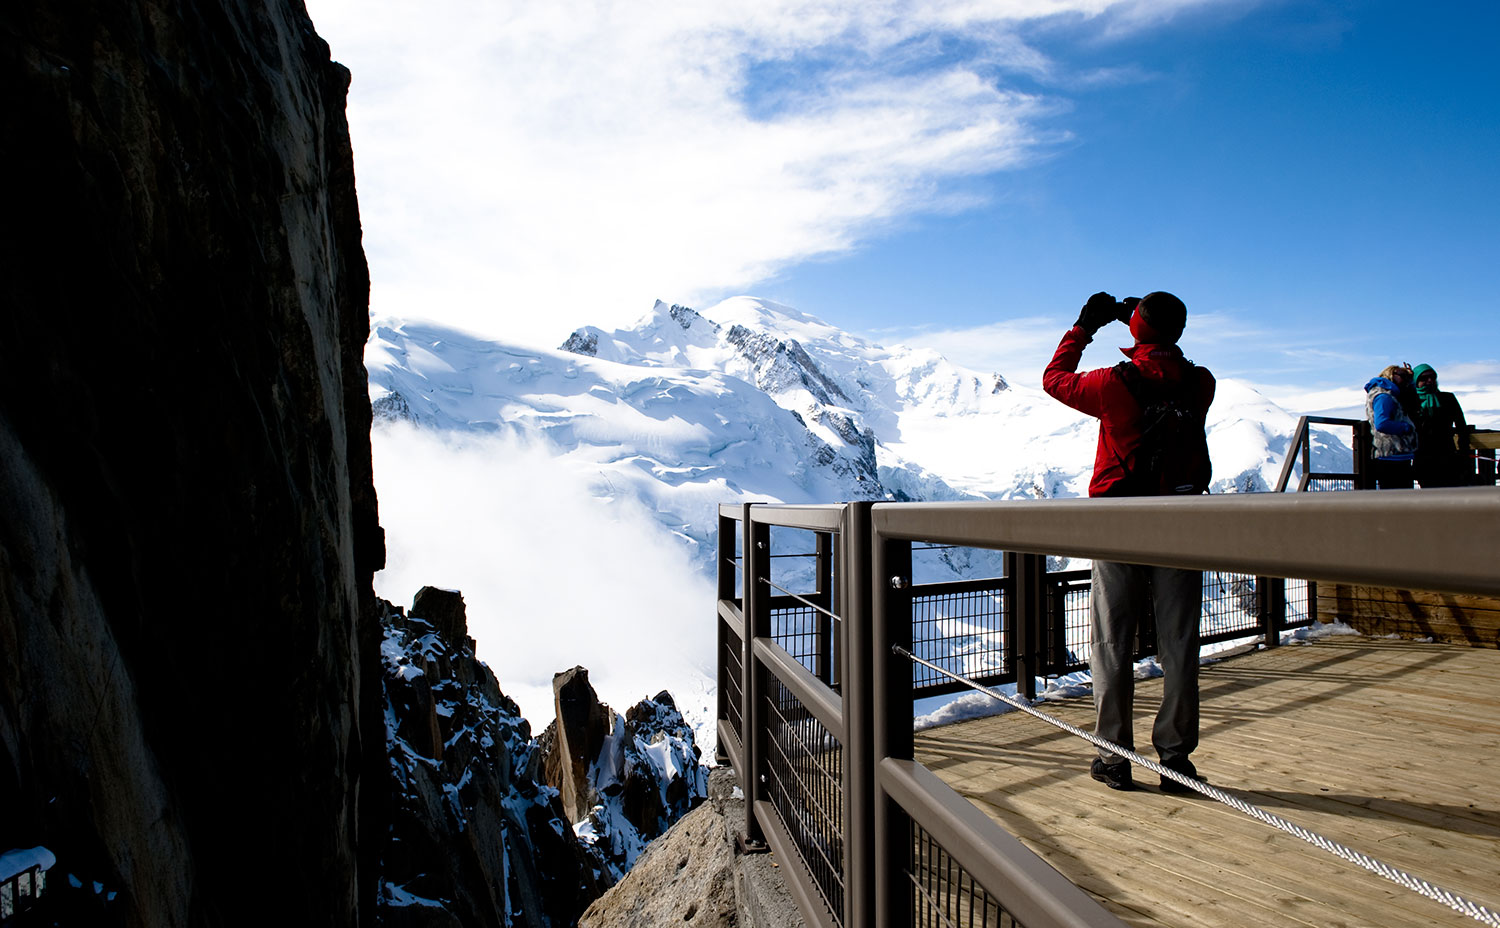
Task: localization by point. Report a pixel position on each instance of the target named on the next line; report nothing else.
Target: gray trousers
(1120, 597)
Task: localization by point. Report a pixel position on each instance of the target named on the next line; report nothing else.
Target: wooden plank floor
(1389, 747)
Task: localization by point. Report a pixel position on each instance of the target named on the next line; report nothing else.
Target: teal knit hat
(1432, 402)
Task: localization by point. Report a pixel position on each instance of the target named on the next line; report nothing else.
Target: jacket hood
(1383, 383)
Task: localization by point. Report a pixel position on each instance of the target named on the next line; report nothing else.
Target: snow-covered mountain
(651, 428)
(751, 400)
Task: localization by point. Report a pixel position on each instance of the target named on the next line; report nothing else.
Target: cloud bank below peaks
(580, 157)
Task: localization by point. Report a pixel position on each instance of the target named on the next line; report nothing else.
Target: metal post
(1363, 450)
(1304, 436)
(728, 576)
(823, 586)
(1270, 601)
(891, 730)
(1056, 631)
(757, 562)
(1028, 573)
(854, 587)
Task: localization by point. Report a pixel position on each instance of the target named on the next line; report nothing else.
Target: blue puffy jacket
(1394, 435)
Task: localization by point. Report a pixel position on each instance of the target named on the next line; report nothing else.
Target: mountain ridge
(648, 430)
(846, 419)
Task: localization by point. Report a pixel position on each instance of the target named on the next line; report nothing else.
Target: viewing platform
(1387, 746)
(1350, 780)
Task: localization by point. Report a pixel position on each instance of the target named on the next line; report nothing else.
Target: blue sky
(1316, 179)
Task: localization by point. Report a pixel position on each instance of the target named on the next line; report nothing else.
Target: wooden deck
(1390, 747)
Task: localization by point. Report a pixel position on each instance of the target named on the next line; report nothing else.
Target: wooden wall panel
(1451, 617)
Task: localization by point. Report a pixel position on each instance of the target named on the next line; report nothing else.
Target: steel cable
(806, 602)
(1414, 883)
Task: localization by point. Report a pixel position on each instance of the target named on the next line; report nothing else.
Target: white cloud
(1017, 349)
(551, 576)
(524, 168)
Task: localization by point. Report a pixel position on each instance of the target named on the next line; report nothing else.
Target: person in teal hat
(1442, 458)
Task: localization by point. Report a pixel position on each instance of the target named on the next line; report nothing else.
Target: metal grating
(731, 673)
(963, 628)
(806, 634)
(943, 894)
(21, 897)
(1230, 608)
(804, 767)
(1071, 637)
(1298, 612)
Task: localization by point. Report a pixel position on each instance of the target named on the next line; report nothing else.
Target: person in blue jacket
(1393, 436)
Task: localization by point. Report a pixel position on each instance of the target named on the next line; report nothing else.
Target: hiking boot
(1115, 776)
(1183, 766)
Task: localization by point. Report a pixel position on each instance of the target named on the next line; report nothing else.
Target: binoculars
(1124, 308)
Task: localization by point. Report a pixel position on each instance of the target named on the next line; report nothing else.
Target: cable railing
(819, 728)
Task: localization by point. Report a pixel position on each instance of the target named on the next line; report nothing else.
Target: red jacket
(1103, 394)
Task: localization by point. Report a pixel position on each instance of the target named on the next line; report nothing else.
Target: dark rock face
(189, 650)
(575, 740)
(623, 781)
(582, 342)
(475, 839)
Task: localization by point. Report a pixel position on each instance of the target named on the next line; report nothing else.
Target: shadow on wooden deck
(1389, 747)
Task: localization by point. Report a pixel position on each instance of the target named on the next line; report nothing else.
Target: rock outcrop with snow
(492, 827)
(624, 780)
(475, 837)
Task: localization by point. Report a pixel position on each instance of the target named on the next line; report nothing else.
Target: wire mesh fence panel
(963, 628)
(22, 893)
(804, 782)
(1230, 607)
(943, 894)
(731, 673)
(807, 635)
(1068, 639)
(1299, 609)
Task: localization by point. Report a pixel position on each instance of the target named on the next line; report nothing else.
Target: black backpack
(1172, 458)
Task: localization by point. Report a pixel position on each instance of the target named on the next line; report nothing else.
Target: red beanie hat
(1158, 319)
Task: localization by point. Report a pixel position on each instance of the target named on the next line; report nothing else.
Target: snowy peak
(668, 336)
(751, 400)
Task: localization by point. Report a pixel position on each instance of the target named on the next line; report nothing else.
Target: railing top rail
(820, 517)
(1485, 438)
(1442, 539)
(819, 699)
(1332, 420)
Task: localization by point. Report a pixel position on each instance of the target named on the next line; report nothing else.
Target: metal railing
(1300, 452)
(866, 835)
(21, 893)
(1480, 466)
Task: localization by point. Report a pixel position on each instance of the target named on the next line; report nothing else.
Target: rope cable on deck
(1414, 883)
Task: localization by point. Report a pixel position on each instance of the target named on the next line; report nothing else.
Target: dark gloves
(1099, 311)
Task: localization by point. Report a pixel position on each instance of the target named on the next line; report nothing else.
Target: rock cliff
(187, 623)
(475, 837)
(493, 827)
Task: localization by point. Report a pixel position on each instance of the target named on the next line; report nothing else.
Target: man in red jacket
(1140, 454)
